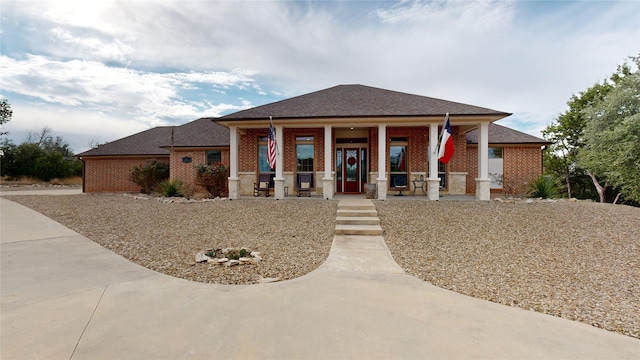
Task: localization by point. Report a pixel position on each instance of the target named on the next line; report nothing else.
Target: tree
(612, 138)
(567, 133)
(5, 113)
(42, 157)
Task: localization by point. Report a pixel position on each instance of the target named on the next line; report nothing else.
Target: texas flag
(446, 142)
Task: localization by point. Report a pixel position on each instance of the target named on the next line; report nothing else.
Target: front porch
(345, 160)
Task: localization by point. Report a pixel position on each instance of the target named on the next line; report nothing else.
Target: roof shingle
(499, 134)
(359, 101)
(156, 141)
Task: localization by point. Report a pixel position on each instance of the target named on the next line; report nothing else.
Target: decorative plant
(149, 175)
(544, 187)
(213, 178)
(171, 188)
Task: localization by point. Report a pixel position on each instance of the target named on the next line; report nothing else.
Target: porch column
(327, 180)
(234, 181)
(482, 181)
(433, 182)
(278, 181)
(382, 161)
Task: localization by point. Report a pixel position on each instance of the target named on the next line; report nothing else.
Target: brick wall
(520, 165)
(112, 174)
(186, 172)
(248, 148)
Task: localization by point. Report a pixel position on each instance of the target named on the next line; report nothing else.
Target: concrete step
(357, 206)
(358, 230)
(357, 212)
(357, 220)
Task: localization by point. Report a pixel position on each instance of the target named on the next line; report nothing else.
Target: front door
(351, 163)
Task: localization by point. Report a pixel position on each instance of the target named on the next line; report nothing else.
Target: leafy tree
(5, 113)
(612, 138)
(43, 157)
(567, 133)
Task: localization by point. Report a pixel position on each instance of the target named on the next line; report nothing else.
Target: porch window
(263, 162)
(442, 174)
(305, 155)
(214, 157)
(496, 168)
(398, 162)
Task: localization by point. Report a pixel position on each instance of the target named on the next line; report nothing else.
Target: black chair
(400, 184)
(262, 185)
(304, 184)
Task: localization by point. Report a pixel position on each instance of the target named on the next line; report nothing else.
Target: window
(214, 157)
(495, 168)
(263, 162)
(305, 155)
(442, 174)
(398, 162)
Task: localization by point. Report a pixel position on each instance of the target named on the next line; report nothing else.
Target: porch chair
(304, 184)
(262, 185)
(400, 184)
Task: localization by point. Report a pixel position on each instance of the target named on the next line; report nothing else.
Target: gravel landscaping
(576, 260)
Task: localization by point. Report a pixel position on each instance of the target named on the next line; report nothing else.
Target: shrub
(148, 175)
(213, 178)
(545, 186)
(171, 188)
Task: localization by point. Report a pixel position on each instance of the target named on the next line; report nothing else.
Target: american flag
(271, 155)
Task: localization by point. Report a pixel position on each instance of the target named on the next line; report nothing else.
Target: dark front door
(351, 163)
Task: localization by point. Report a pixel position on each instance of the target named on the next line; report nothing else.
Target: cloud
(142, 95)
(161, 62)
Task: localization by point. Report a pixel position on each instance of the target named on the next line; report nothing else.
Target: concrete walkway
(65, 297)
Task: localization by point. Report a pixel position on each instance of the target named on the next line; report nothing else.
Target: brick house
(360, 131)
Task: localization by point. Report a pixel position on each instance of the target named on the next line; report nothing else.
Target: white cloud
(521, 57)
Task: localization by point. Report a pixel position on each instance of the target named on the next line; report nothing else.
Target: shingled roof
(359, 101)
(499, 134)
(199, 133)
(147, 142)
(156, 141)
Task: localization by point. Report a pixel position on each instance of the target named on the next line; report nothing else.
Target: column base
(278, 188)
(482, 189)
(433, 189)
(327, 188)
(234, 187)
(382, 189)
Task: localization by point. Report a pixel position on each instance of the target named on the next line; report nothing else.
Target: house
(345, 137)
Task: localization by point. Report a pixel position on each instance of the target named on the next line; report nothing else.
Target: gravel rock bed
(576, 260)
(293, 237)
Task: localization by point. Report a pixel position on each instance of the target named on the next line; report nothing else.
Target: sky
(96, 71)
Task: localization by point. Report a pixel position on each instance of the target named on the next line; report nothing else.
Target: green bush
(545, 186)
(171, 188)
(213, 178)
(149, 175)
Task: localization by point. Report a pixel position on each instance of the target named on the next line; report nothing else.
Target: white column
(433, 182)
(382, 161)
(278, 181)
(234, 181)
(482, 181)
(327, 180)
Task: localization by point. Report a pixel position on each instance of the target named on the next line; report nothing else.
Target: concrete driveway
(65, 297)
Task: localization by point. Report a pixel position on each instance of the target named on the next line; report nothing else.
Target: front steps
(357, 218)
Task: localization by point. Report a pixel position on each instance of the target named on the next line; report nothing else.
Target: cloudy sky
(96, 71)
